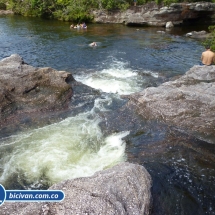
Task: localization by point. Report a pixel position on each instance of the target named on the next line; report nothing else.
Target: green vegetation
(72, 10)
(67, 10)
(3, 6)
(210, 41)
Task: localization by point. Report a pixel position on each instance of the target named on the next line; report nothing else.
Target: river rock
(151, 14)
(123, 189)
(187, 102)
(26, 89)
(169, 25)
(198, 34)
(6, 12)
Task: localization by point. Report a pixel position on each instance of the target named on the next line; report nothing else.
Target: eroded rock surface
(123, 189)
(26, 89)
(187, 102)
(152, 14)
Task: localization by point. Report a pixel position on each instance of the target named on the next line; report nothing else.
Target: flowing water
(100, 135)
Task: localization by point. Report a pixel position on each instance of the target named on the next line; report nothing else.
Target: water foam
(115, 79)
(74, 147)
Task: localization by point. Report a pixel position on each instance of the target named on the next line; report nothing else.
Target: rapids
(99, 135)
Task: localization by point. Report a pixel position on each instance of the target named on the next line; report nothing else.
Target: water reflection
(182, 167)
(53, 43)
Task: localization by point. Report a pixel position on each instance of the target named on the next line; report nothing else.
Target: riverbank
(152, 14)
(6, 12)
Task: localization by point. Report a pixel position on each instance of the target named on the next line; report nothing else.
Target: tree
(210, 41)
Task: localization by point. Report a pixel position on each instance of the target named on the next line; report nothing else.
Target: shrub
(3, 6)
(210, 41)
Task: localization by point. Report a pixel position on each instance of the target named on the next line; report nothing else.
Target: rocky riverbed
(26, 90)
(186, 103)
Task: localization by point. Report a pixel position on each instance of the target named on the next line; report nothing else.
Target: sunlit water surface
(126, 60)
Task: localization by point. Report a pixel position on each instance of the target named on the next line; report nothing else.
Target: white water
(118, 78)
(74, 147)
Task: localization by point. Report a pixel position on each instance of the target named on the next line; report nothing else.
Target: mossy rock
(3, 6)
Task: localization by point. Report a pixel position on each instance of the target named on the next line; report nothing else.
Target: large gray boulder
(187, 102)
(123, 189)
(26, 89)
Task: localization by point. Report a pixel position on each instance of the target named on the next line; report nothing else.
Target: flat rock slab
(187, 102)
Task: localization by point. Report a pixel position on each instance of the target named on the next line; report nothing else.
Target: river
(104, 133)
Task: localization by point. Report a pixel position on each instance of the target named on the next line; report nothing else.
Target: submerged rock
(198, 34)
(187, 102)
(123, 189)
(25, 89)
